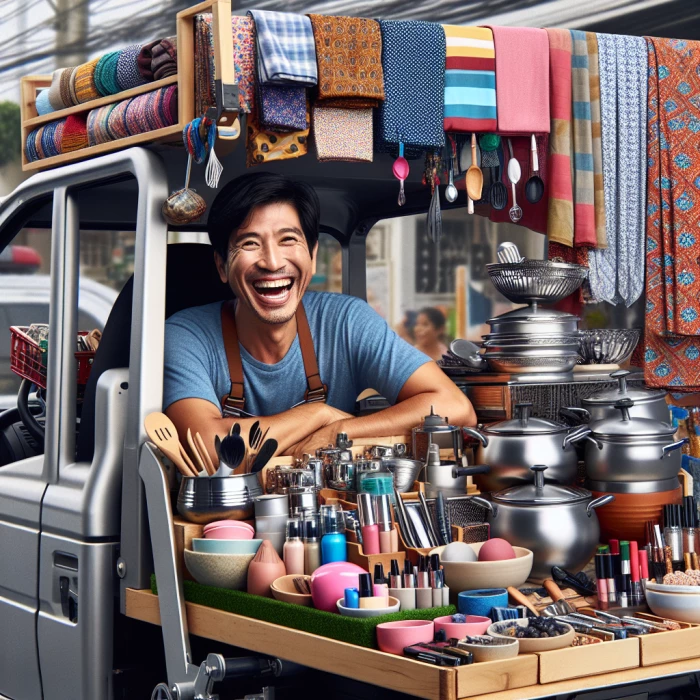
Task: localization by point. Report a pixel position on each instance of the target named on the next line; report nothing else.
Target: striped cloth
(597, 141)
(560, 216)
(470, 79)
(584, 212)
(285, 48)
(85, 89)
(97, 121)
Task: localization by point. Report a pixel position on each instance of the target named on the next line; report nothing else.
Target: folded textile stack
(158, 59)
(351, 83)
(672, 345)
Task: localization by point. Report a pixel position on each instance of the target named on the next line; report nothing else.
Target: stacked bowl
(532, 339)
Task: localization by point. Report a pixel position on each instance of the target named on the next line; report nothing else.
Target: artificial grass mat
(358, 631)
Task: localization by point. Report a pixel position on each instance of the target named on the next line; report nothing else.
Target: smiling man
(296, 357)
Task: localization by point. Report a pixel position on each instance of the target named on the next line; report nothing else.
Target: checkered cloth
(286, 52)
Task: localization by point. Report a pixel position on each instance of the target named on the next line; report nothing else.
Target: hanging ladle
(534, 187)
(401, 170)
(475, 178)
(514, 173)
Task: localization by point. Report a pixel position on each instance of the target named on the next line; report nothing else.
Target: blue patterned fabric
(286, 52)
(128, 74)
(282, 107)
(413, 58)
(616, 273)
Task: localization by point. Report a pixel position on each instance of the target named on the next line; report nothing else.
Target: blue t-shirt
(355, 349)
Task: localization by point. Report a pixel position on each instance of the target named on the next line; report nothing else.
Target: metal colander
(607, 345)
(539, 281)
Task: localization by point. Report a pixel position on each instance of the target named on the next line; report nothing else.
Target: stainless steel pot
(435, 430)
(203, 499)
(648, 403)
(629, 449)
(511, 447)
(558, 523)
(531, 319)
(448, 477)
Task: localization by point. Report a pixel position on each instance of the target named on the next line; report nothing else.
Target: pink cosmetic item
(388, 537)
(328, 583)
(381, 590)
(293, 551)
(228, 530)
(474, 625)
(368, 524)
(393, 637)
(265, 568)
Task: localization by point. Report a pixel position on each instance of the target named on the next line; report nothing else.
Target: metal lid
(524, 424)
(623, 425)
(622, 391)
(533, 313)
(435, 424)
(540, 494)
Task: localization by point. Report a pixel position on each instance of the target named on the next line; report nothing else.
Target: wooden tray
(674, 645)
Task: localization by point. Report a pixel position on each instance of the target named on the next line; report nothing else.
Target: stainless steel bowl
(605, 346)
(531, 339)
(531, 320)
(405, 472)
(518, 364)
(203, 499)
(527, 350)
(536, 280)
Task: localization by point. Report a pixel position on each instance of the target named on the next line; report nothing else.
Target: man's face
(269, 265)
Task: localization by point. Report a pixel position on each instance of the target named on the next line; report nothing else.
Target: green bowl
(225, 546)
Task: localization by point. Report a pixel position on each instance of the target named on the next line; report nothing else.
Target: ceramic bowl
(474, 626)
(220, 570)
(328, 583)
(393, 607)
(229, 530)
(498, 650)
(480, 601)
(220, 546)
(530, 646)
(684, 607)
(284, 589)
(394, 637)
(465, 575)
(666, 588)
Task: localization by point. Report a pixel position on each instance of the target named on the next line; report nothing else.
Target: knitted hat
(74, 133)
(43, 104)
(85, 88)
(128, 75)
(106, 74)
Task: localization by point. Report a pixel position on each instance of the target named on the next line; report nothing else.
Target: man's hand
(321, 438)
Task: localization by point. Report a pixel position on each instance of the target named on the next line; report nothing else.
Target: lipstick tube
(395, 579)
(636, 586)
(368, 524)
(423, 580)
(387, 534)
(409, 580)
(601, 581)
(610, 578)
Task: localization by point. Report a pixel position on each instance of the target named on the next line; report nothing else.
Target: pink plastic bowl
(393, 637)
(228, 530)
(474, 625)
(328, 583)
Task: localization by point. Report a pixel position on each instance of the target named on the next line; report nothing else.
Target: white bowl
(393, 607)
(666, 588)
(684, 607)
(220, 570)
(473, 575)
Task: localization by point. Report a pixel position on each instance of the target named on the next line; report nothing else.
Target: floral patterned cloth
(282, 108)
(349, 55)
(672, 345)
(343, 134)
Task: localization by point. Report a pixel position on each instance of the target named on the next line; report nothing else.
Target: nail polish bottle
(370, 529)
(293, 551)
(334, 546)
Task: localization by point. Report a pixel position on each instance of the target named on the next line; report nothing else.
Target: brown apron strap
(235, 401)
(316, 390)
(232, 404)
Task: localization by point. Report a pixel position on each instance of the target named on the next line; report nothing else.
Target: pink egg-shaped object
(474, 625)
(228, 530)
(496, 549)
(328, 583)
(394, 637)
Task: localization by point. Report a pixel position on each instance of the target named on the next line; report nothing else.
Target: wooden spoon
(161, 431)
(475, 178)
(208, 464)
(195, 451)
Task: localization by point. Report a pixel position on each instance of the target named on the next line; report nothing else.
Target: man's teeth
(272, 284)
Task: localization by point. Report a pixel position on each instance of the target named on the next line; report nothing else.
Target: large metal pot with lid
(512, 446)
(534, 320)
(648, 403)
(558, 523)
(625, 448)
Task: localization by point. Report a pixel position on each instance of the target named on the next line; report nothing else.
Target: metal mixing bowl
(608, 346)
(203, 499)
(405, 472)
(513, 363)
(536, 280)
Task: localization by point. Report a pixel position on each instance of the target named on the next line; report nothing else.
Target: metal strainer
(539, 281)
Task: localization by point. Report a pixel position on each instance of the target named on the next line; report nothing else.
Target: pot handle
(598, 502)
(474, 433)
(666, 451)
(575, 436)
(470, 471)
(493, 509)
(575, 414)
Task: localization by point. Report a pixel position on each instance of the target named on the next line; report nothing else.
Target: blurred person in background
(429, 332)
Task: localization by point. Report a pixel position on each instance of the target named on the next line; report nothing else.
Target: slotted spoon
(161, 431)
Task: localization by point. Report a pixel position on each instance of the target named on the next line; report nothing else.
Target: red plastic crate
(26, 358)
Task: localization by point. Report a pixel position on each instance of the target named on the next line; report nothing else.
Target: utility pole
(71, 30)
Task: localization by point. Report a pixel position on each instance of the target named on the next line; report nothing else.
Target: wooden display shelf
(514, 679)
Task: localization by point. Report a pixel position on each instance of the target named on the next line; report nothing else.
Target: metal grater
(461, 510)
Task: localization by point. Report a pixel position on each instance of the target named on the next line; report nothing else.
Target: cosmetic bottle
(395, 579)
(312, 547)
(293, 551)
(376, 479)
(367, 599)
(379, 573)
(333, 543)
(370, 529)
(388, 537)
(352, 598)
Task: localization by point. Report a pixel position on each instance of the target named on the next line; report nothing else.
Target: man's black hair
(233, 206)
